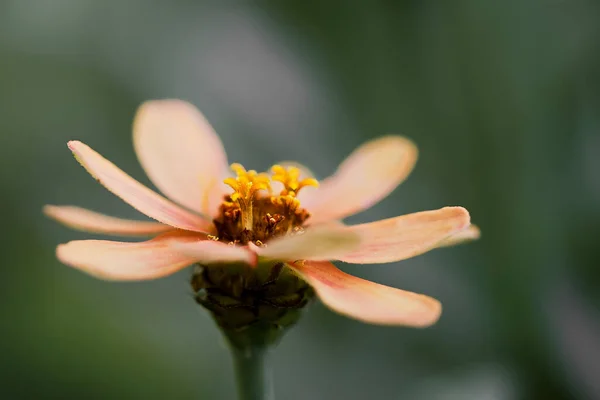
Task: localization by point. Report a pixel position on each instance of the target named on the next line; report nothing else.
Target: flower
(217, 218)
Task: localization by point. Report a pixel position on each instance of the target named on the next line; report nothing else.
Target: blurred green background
(502, 97)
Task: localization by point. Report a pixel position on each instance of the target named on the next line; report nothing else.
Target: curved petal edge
(181, 153)
(127, 261)
(406, 236)
(368, 175)
(90, 221)
(472, 232)
(134, 193)
(368, 301)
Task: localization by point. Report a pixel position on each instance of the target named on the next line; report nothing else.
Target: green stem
(253, 372)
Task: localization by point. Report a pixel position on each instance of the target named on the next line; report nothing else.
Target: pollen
(289, 177)
(254, 213)
(247, 183)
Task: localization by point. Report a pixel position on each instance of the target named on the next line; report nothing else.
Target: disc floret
(245, 188)
(290, 178)
(254, 213)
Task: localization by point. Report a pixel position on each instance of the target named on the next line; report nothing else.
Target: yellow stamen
(245, 186)
(290, 178)
(247, 215)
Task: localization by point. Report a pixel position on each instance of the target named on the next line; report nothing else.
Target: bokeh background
(502, 97)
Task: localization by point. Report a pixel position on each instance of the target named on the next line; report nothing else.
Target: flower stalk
(253, 373)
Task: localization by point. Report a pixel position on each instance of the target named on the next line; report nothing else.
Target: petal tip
(73, 144)
(401, 140)
(461, 215)
(155, 104)
(49, 210)
(403, 144)
(144, 108)
(427, 313)
(475, 232)
(77, 148)
(61, 253)
(433, 316)
(469, 234)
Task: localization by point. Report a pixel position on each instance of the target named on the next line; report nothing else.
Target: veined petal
(472, 232)
(90, 221)
(368, 301)
(319, 243)
(134, 193)
(368, 175)
(399, 238)
(123, 261)
(181, 153)
(210, 251)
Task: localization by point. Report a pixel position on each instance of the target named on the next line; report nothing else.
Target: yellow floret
(247, 183)
(245, 186)
(290, 178)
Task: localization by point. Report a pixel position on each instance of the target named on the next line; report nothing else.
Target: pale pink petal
(90, 221)
(399, 238)
(181, 153)
(368, 175)
(123, 261)
(210, 251)
(472, 232)
(368, 301)
(319, 243)
(134, 193)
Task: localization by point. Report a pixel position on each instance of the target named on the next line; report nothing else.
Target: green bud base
(253, 307)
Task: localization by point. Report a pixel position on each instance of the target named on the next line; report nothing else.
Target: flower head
(248, 229)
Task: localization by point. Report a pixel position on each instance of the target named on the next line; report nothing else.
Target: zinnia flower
(281, 218)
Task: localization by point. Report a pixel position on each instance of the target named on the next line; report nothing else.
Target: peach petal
(472, 232)
(134, 193)
(123, 261)
(407, 236)
(181, 153)
(319, 243)
(368, 175)
(209, 251)
(368, 301)
(90, 221)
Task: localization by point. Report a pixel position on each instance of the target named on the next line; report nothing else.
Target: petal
(181, 153)
(210, 251)
(90, 221)
(472, 232)
(368, 175)
(399, 238)
(134, 193)
(319, 243)
(368, 301)
(127, 261)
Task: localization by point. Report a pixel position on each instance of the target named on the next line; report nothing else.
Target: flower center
(254, 213)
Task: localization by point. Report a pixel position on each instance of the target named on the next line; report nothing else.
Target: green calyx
(252, 305)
